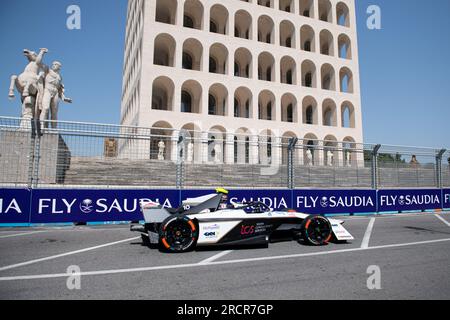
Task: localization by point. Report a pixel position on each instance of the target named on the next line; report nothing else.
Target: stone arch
(289, 108)
(310, 143)
(164, 50)
(161, 131)
(287, 34)
(325, 11)
(191, 97)
(218, 100)
(162, 94)
(288, 70)
(330, 151)
(348, 115)
(343, 14)
(218, 59)
(218, 19)
(242, 146)
(166, 11)
(266, 106)
(346, 80)
(243, 66)
(309, 74)
(329, 114)
(243, 102)
(265, 29)
(307, 8)
(328, 77)
(266, 67)
(345, 47)
(326, 43)
(308, 39)
(192, 54)
(243, 25)
(310, 111)
(193, 14)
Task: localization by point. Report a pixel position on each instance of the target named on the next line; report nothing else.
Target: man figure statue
(217, 153)
(53, 91)
(161, 147)
(309, 157)
(190, 152)
(330, 157)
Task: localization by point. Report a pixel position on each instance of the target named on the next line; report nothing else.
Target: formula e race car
(210, 221)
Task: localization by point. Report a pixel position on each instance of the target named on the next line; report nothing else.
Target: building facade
(250, 74)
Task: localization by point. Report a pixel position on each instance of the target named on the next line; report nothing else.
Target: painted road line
(366, 239)
(214, 263)
(21, 234)
(442, 219)
(215, 257)
(66, 254)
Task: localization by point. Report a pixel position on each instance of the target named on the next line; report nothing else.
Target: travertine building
(231, 70)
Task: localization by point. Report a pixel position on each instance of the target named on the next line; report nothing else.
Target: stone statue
(330, 158)
(190, 152)
(217, 153)
(161, 147)
(309, 157)
(53, 91)
(348, 158)
(39, 86)
(27, 83)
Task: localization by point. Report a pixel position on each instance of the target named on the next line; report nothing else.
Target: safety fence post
(291, 170)
(439, 168)
(374, 172)
(180, 162)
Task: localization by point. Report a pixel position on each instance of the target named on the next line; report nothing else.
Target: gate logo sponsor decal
(247, 230)
(86, 206)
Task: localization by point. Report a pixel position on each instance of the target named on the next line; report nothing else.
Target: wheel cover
(179, 234)
(318, 230)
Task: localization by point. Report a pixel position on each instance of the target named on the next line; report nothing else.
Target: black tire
(316, 231)
(178, 234)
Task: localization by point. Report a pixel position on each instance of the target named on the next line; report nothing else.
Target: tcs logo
(247, 230)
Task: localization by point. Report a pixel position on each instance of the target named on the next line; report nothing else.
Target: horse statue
(30, 84)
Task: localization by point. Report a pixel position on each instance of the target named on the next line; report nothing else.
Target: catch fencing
(63, 154)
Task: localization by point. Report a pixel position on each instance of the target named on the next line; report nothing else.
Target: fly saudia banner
(69, 205)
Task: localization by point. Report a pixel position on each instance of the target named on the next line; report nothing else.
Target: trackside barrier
(40, 206)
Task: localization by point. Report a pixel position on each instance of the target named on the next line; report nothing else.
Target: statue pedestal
(16, 152)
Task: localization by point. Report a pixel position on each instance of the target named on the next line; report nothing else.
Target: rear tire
(178, 234)
(316, 231)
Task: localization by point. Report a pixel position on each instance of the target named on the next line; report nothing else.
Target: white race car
(209, 221)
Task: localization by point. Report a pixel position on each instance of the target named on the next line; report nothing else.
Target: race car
(210, 221)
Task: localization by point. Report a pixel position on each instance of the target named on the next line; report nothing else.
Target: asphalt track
(412, 252)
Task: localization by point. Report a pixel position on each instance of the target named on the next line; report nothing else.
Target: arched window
(186, 102)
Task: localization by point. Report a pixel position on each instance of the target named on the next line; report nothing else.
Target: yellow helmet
(222, 190)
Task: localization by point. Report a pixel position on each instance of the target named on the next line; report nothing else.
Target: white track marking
(214, 263)
(215, 257)
(366, 239)
(66, 254)
(442, 219)
(21, 234)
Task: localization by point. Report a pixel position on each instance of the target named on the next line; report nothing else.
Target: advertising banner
(446, 198)
(334, 201)
(409, 200)
(49, 206)
(275, 199)
(15, 205)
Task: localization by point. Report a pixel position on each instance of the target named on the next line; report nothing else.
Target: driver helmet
(224, 200)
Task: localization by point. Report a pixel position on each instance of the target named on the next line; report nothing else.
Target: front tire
(178, 234)
(316, 231)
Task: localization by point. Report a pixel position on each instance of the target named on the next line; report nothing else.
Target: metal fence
(88, 155)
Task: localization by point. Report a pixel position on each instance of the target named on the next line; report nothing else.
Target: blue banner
(15, 205)
(61, 205)
(446, 198)
(95, 205)
(334, 201)
(409, 200)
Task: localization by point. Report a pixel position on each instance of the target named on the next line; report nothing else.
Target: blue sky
(405, 72)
